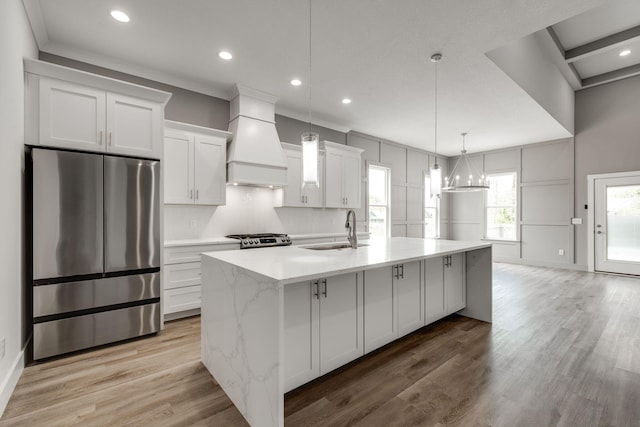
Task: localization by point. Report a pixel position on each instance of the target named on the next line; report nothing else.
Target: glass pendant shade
(310, 142)
(435, 175)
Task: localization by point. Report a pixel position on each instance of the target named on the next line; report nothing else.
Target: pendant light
(310, 140)
(473, 182)
(435, 172)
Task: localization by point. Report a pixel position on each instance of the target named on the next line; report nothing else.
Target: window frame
(427, 189)
(516, 206)
(376, 165)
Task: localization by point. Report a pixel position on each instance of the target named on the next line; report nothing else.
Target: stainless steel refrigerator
(95, 249)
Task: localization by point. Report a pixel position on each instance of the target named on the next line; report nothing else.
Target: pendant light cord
(309, 111)
(435, 132)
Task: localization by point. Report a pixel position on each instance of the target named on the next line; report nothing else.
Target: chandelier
(455, 183)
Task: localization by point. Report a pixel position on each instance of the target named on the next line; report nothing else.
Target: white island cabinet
(276, 318)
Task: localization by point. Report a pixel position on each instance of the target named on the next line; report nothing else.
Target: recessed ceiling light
(225, 55)
(119, 15)
(625, 52)
(346, 101)
(295, 82)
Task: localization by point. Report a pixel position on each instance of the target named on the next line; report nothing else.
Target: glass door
(617, 225)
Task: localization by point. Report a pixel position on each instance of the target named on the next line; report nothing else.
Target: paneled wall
(545, 203)
(408, 166)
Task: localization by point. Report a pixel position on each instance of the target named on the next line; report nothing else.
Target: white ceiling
(373, 51)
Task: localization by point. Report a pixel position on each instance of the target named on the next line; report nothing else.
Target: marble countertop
(291, 264)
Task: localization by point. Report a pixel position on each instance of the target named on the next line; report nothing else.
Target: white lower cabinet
(322, 327)
(330, 322)
(445, 289)
(182, 279)
(455, 290)
(380, 307)
(410, 297)
(434, 305)
(392, 303)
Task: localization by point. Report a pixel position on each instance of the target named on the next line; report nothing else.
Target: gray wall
(408, 166)
(545, 203)
(607, 140)
(290, 130)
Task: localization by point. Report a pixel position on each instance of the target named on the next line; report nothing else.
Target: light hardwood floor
(564, 349)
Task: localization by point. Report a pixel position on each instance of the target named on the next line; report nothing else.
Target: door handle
(401, 271)
(395, 271)
(110, 143)
(324, 281)
(599, 232)
(191, 194)
(100, 138)
(315, 294)
(197, 194)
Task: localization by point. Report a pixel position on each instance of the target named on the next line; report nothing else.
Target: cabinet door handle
(110, 141)
(191, 194)
(314, 283)
(306, 199)
(197, 194)
(324, 282)
(395, 271)
(401, 273)
(100, 138)
(301, 199)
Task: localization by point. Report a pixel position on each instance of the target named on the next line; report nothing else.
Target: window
(431, 211)
(501, 206)
(378, 201)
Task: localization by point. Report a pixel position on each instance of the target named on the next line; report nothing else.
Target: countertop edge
(469, 246)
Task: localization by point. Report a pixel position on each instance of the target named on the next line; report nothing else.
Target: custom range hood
(254, 156)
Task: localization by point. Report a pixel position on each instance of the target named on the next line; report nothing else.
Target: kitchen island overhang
(243, 306)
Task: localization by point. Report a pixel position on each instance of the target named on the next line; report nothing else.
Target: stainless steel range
(263, 240)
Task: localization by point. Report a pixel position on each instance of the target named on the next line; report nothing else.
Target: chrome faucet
(350, 225)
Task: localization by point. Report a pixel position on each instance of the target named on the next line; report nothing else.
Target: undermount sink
(332, 247)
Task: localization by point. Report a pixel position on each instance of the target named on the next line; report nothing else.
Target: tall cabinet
(195, 164)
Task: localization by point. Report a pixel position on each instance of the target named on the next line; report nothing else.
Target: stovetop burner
(261, 240)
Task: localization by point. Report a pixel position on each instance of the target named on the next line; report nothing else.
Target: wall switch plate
(1, 348)
(560, 251)
(576, 221)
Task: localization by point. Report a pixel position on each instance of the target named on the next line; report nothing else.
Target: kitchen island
(275, 318)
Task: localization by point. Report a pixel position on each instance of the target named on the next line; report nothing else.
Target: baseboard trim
(535, 263)
(10, 381)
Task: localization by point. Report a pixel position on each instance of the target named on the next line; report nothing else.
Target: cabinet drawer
(182, 275)
(181, 299)
(179, 254)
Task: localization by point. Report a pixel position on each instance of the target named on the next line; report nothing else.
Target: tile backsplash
(248, 210)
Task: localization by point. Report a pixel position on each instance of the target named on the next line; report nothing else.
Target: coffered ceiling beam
(623, 73)
(601, 45)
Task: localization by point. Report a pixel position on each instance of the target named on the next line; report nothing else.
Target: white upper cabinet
(73, 109)
(294, 194)
(134, 126)
(194, 164)
(71, 115)
(342, 176)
